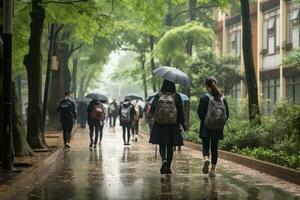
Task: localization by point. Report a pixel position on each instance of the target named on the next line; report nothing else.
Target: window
(271, 33)
(293, 88)
(271, 93)
(234, 35)
(293, 25)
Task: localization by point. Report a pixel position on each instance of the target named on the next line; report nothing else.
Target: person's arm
(227, 109)
(202, 108)
(180, 111)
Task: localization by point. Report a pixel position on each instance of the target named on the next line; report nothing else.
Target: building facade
(275, 32)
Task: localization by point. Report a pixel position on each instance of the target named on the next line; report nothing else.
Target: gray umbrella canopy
(174, 75)
(97, 96)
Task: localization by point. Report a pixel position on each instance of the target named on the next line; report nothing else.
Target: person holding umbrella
(96, 117)
(167, 109)
(126, 114)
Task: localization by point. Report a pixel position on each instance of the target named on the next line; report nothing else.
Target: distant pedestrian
(82, 113)
(136, 120)
(126, 113)
(67, 109)
(149, 118)
(113, 113)
(96, 116)
(213, 112)
(168, 114)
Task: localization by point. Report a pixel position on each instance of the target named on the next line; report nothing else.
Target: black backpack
(66, 109)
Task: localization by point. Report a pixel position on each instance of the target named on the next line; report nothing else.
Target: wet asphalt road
(113, 171)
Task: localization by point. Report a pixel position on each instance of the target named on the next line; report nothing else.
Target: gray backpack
(166, 112)
(216, 113)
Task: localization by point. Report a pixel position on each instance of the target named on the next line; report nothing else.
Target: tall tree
(249, 62)
(33, 64)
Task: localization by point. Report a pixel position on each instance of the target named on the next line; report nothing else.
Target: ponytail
(211, 82)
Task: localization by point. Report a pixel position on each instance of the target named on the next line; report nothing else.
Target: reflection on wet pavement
(113, 171)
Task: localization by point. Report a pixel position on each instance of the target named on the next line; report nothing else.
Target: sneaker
(95, 146)
(163, 169)
(169, 171)
(205, 167)
(136, 139)
(68, 146)
(91, 144)
(212, 173)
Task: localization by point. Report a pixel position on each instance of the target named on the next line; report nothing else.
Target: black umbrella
(133, 97)
(97, 96)
(174, 75)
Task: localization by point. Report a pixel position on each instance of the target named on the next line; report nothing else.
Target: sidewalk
(113, 171)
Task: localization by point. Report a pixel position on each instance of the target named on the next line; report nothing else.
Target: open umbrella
(174, 75)
(133, 96)
(97, 96)
(150, 97)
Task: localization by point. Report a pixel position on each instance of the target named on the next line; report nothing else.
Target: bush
(280, 158)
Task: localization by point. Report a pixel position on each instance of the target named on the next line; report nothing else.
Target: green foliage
(278, 157)
(293, 58)
(172, 45)
(275, 140)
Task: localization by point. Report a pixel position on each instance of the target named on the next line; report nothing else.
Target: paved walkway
(113, 171)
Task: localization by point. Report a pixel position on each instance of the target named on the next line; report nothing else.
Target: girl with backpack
(96, 117)
(126, 114)
(167, 109)
(213, 113)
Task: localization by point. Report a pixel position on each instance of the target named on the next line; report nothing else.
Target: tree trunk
(154, 88)
(33, 64)
(143, 61)
(248, 62)
(74, 76)
(81, 85)
(192, 15)
(21, 146)
(87, 83)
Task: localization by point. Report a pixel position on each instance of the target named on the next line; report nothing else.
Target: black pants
(166, 153)
(112, 120)
(97, 129)
(213, 144)
(126, 128)
(82, 122)
(67, 130)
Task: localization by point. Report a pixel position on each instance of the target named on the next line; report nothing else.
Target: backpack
(216, 113)
(166, 111)
(112, 108)
(125, 114)
(98, 112)
(66, 109)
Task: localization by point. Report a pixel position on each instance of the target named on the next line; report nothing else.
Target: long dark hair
(211, 82)
(168, 86)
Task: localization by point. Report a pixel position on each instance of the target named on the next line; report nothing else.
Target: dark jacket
(70, 117)
(89, 110)
(132, 113)
(82, 109)
(168, 133)
(202, 111)
(113, 113)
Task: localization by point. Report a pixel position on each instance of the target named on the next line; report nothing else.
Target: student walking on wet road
(67, 109)
(213, 113)
(167, 109)
(126, 114)
(96, 117)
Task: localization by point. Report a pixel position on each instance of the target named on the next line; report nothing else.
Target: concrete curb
(278, 171)
(28, 177)
(31, 175)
